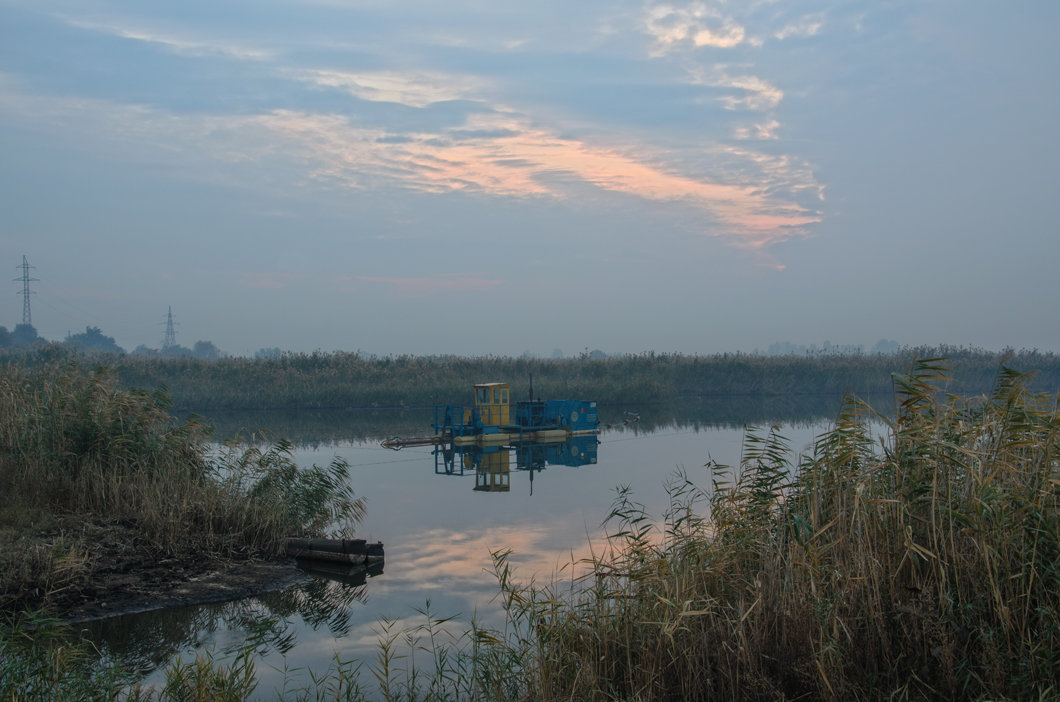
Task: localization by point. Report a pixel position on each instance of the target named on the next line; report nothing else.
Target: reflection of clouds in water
(537, 550)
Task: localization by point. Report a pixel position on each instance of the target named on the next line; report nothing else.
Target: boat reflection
(492, 465)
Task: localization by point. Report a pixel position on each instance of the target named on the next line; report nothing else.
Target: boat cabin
(493, 404)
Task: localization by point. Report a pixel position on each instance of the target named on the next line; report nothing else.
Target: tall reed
(925, 566)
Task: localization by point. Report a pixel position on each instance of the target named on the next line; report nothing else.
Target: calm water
(438, 532)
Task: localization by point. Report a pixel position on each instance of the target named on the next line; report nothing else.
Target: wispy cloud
(493, 149)
(501, 154)
(412, 88)
(525, 161)
(749, 92)
(422, 287)
(172, 41)
(805, 27)
(761, 131)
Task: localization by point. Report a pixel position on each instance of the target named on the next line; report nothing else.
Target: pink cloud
(512, 158)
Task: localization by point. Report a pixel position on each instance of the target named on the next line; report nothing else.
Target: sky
(481, 178)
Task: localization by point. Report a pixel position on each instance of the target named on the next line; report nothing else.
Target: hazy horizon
(777, 348)
(475, 178)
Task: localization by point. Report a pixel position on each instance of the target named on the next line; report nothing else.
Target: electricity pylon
(170, 338)
(26, 280)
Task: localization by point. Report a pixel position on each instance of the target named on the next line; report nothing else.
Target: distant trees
(21, 336)
(206, 351)
(886, 346)
(92, 340)
(24, 335)
(202, 350)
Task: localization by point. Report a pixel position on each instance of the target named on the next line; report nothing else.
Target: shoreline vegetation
(923, 565)
(344, 380)
(99, 479)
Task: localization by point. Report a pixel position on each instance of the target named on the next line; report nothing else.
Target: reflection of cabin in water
(493, 472)
(493, 464)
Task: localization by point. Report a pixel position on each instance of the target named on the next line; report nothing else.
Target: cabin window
(504, 397)
(483, 396)
(496, 396)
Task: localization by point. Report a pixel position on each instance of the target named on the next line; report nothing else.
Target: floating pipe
(354, 551)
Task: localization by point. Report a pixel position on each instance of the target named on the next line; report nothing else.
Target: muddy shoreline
(154, 589)
(112, 568)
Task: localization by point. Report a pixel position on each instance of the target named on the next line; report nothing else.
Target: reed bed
(79, 455)
(343, 380)
(924, 566)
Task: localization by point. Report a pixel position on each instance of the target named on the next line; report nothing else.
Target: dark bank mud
(113, 569)
(146, 589)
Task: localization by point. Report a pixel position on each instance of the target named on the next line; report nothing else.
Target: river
(439, 532)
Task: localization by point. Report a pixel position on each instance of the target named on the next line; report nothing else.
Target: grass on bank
(82, 460)
(922, 566)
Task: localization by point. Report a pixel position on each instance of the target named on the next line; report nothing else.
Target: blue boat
(494, 420)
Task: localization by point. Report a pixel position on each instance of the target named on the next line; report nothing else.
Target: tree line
(353, 380)
(93, 342)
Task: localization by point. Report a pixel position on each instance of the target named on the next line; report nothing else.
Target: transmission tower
(26, 280)
(170, 338)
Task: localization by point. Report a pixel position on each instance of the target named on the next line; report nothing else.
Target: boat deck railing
(457, 420)
(450, 420)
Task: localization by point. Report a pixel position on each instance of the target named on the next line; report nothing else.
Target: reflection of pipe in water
(345, 573)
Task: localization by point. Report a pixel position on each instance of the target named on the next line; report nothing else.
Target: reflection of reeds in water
(326, 599)
(143, 642)
(321, 427)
